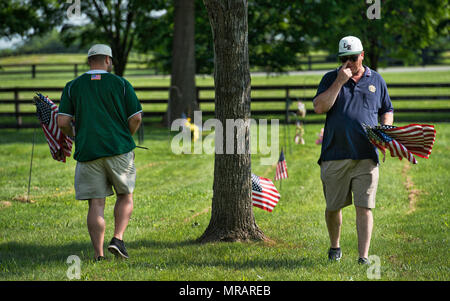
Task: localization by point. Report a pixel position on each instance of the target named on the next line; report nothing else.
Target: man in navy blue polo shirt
(351, 95)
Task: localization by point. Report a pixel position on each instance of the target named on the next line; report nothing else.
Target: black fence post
(17, 108)
(75, 70)
(33, 71)
(197, 92)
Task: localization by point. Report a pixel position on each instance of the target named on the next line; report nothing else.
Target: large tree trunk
(119, 59)
(232, 217)
(374, 52)
(183, 96)
(373, 48)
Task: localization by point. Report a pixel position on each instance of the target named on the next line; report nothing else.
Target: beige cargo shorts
(341, 178)
(95, 179)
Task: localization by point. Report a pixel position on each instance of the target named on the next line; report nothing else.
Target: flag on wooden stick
(404, 141)
(264, 193)
(47, 112)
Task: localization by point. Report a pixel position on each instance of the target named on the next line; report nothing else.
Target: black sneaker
(117, 247)
(99, 258)
(334, 254)
(363, 260)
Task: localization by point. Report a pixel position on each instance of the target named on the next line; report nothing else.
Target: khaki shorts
(342, 177)
(95, 179)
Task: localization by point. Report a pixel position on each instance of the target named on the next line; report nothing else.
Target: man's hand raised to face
(344, 74)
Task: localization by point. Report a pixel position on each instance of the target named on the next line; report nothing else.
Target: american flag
(264, 193)
(404, 141)
(47, 112)
(281, 172)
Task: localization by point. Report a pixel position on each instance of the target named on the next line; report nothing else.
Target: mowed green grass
(173, 200)
(172, 209)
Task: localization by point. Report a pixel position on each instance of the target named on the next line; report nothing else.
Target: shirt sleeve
(326, 82)
(386, 104)
(66, 105)
(133, 106)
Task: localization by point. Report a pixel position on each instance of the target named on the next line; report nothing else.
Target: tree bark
(374, 54)
(232, 217)
(183, 94)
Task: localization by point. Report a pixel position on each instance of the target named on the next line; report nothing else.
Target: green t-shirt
(101, 104)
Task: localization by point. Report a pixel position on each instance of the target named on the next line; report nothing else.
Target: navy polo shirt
(344, 136)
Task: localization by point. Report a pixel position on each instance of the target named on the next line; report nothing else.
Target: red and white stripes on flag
(281, 172)
(404, 141)
(47, 112)
(417, 138)
(264, 193)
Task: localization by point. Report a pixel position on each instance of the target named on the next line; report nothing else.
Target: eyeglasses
(352, 58)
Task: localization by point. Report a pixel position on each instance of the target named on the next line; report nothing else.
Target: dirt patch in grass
(413, 193)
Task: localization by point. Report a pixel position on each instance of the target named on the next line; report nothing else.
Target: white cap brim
(349, 53)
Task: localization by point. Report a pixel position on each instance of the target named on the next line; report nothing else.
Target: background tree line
(279, 33)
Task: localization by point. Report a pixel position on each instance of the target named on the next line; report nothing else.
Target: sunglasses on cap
(352, 58)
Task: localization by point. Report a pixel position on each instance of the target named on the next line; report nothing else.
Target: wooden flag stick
(31, 165)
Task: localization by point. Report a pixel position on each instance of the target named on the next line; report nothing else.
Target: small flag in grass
(264, 193)
(281, 172)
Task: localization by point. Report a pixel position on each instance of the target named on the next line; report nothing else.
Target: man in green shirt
(107, 113)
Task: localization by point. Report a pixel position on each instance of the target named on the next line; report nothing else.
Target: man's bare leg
(122, 214)
(96, 224)
(334, 222)
(364, 226)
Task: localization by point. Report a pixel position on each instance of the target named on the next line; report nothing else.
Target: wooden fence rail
(306, 63)
(33, 69)
(286, 89)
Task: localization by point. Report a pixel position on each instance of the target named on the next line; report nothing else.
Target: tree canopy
(113, 22)
(28, 18)
(279, 33)
(404, 29)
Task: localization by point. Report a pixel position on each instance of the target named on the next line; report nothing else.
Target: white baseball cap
(100, 49)
(350, 45)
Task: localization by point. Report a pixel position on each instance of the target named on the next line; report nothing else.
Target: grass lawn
(173, 202)
(172, 208)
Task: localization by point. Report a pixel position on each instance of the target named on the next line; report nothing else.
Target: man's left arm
(387, 118)
(133, 108)
(386, 112)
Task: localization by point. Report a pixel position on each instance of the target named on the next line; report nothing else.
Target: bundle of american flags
(47, 112)
(264, 193)
(403, 141)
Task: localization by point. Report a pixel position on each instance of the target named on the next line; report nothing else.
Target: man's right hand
(344, 74)
(325, 100)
